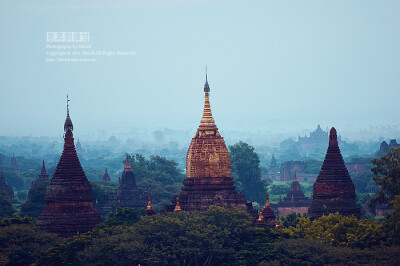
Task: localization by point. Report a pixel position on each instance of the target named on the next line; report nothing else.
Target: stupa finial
(207, 120)
(68, 122)
(177, 206)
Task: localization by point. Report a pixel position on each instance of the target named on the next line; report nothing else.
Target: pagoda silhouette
(333, 190)
(69, 199)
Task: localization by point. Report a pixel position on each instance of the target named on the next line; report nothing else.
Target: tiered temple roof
(6, 189)
(128, 194)
(295, 196)
(333, 190)
(268, 213)
(295, 201)
(69, 199)
(208, 170)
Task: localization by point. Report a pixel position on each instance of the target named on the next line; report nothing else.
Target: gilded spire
(295, 177)
(177, 206)
(149, 207)
(207, 120)
(267, 201)
(260, 216)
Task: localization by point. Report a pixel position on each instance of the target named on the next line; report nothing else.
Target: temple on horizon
(208, 170)
(69, 199)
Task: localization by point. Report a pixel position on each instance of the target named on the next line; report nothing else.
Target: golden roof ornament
(177, 206)
(260, 216)
(149, 207)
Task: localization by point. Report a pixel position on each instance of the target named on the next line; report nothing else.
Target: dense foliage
(21, 243)
(387, 174)
(6, 208)
(246, 172)
(158, 175)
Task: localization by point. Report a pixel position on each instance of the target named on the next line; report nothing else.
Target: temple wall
(282, 211)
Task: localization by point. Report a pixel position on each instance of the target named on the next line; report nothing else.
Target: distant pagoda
(106, 177)
(208, 170)
(69, 199)
(295, 201)
(268, 213)
(333, 190)
(128, 194)
(35, 203)
(14, 164)
(6, 189)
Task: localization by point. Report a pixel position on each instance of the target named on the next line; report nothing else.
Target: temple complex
(128, 194)
(316, 140)
(208, 170)
(6, 189)
(69, 199)
(295, 201)
(106, 177)
(333, 190)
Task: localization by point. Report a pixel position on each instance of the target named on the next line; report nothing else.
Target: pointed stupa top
(68, 122)
(43, 173)
(106, 177)
(207, 120)
(333, 137)
(127, 167)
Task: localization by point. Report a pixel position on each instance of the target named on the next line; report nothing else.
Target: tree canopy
(387, 174)
(246, 172)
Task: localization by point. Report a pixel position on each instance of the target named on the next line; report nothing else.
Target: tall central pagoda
(69, 199)
(208, 170)
(333, 190)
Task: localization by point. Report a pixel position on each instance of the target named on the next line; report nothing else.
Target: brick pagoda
(69, 199)
(295, 201)
(208, 170)
(128, 194)
(333, 190)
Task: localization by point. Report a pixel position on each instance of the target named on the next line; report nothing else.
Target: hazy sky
(273, 66)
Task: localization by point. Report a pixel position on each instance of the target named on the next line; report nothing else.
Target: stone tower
(128, 194)
(208, 170)
(69, 199)
(333, 190)
(295, 201)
